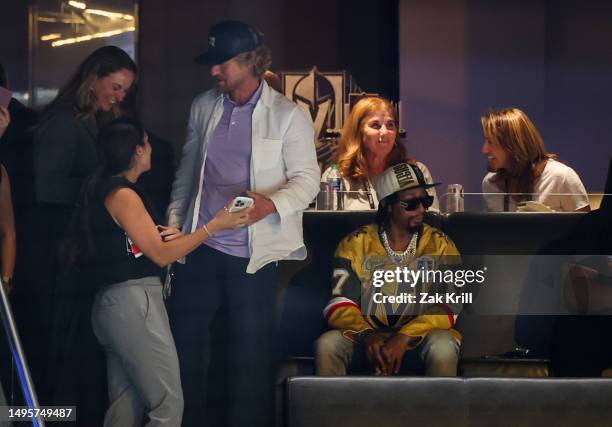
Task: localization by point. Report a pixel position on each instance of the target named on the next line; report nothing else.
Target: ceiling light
(77, 4)
(80, 39)
(48, 37)
(111, 15)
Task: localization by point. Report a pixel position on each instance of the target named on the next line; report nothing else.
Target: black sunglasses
(411, 205)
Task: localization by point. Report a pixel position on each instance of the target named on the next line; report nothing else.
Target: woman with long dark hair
(119, 237)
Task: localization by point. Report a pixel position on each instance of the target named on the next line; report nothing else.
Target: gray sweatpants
(131, 323)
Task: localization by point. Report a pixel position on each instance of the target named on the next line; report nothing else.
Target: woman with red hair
(369, 145)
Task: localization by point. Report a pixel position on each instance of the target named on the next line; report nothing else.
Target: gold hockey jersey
(372, 292)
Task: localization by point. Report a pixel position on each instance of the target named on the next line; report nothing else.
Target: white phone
(240, 203)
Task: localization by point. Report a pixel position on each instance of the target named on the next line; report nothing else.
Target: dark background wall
(356, 35)
(14, 42)
(460, 58)
(447, 60)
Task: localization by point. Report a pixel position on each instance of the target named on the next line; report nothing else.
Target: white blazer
(283, 167)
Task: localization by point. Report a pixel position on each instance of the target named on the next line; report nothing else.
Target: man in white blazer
(242, 137)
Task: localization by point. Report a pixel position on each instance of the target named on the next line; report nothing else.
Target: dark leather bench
(477, 235)
(484, 401)
(486, 239)
(469, 402)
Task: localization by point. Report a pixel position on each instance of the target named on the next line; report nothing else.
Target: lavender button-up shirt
(227, 171)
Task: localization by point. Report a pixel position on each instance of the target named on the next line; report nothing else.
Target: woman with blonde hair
(368, 146)
(520, 168)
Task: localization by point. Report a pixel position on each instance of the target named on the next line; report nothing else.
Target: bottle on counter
(337, 187)
(454, 198)
(324, 198)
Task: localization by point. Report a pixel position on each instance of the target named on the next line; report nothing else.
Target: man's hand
(393, 352)
(5, 120)
(168, 233)
(263, 207)
(374, 345)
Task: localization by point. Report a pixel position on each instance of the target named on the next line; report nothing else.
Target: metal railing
(25, 379)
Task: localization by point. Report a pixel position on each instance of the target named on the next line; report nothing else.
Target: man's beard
(223, 88)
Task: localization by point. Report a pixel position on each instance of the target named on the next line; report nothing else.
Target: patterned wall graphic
(328, 98)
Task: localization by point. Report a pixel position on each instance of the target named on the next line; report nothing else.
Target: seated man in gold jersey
(383, 317)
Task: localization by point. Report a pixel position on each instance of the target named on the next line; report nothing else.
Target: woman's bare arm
(130, 213)
(7, 227)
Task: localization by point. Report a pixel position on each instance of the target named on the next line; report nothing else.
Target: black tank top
(117, 258)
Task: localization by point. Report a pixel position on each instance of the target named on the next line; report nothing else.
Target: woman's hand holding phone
(241, 202)
(224, 219)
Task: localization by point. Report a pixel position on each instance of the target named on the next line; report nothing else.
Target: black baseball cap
(227, 39)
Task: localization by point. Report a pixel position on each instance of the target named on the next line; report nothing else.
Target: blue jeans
(435, 356)
(213, 284)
